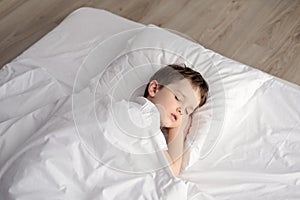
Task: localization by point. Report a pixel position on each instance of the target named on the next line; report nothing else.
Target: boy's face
(174, 101)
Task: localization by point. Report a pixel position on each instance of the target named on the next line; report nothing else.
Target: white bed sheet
(257, 156)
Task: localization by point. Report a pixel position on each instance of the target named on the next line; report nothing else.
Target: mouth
(174, 117)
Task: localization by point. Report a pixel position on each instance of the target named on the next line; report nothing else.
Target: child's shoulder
(139, 110)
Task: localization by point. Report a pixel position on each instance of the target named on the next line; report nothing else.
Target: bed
(244, 143)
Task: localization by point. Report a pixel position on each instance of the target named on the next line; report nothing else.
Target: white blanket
(90, 159)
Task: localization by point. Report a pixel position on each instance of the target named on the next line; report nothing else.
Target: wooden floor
(264, 34)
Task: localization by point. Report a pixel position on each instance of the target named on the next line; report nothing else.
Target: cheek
(161, 100)
(161, 110)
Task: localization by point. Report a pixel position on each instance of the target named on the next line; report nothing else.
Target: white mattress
(253, 154)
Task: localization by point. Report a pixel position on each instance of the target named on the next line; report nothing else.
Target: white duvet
(55, 99)
(55, 163)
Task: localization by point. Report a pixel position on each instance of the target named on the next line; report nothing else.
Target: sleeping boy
(176, 92)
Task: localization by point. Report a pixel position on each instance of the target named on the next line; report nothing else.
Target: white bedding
(250, 149)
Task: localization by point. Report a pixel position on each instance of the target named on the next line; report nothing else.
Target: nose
(179, 110)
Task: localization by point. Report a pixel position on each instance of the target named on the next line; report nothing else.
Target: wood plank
(262, 34)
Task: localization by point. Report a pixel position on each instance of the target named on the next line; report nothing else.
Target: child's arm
(176, 137)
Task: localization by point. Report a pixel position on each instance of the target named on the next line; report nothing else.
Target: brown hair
(175, 72)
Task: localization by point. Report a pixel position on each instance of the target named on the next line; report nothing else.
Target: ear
(153, 88)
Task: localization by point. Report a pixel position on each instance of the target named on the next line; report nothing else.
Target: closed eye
(189, 111)
(178, 98)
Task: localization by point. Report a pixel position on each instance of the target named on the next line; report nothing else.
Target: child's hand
(176, 137)
(186, 125)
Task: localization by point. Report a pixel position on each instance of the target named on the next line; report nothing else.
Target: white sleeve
(135, 127)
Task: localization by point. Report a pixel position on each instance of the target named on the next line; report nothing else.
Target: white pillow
(154, 47)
